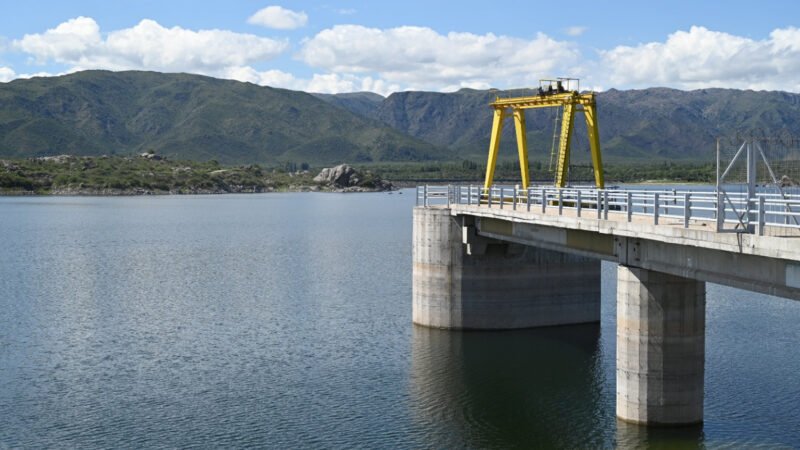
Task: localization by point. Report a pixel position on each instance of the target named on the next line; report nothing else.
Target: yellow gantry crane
(560, 93)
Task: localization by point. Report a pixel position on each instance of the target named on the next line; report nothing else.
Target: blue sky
(342, 46)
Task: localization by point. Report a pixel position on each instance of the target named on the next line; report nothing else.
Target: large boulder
(341, 176)
(347, 179)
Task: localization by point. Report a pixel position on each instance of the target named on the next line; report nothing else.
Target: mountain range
(195, 117)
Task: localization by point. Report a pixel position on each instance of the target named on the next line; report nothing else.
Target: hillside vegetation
(192, 117)
(636, 126)
(189, 117)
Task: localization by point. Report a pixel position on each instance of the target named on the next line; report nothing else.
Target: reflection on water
(510, 389)
(632, 436)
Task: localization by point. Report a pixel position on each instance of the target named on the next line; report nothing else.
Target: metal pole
(560, 200)
(605, 205)
(425, 196)
(762, 216)
(544, 200)
(529, 199)
(630, 206)
(578, 202)
(751, 184)
(599, 207)
(655, 208)
(687, 209)
(514, 202)
(718, 180)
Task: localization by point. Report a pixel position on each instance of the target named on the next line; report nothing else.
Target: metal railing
(732, 212)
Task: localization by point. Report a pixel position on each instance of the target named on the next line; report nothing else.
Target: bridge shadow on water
(535, 388)
(510, 389)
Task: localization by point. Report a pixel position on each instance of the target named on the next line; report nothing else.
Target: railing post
(449, 191)
(599, 207)
(544, 200)
(560, 201)
(514, 202)
(502, 197)
(489, 197)
(578, 203)
(655, 208)
(720, 212)
(629, 206)
(425, 195)
(528, 195)
(762, 216)
(687, 209)
(606, 206)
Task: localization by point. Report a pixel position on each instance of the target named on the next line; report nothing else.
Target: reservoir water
(284, 321)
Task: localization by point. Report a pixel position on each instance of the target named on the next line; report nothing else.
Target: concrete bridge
(508, 258)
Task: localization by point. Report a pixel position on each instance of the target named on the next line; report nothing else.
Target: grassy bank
(137, 175)
(150, 174)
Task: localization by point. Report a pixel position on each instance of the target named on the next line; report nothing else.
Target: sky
(384, 47)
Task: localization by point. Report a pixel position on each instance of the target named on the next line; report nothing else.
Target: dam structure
(509, 257)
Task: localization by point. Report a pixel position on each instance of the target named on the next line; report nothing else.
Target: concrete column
(499, 286)
(660, 347)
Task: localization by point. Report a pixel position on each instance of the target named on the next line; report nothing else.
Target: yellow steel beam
(494, 145)
(564, 145)
(590, 113)
(544, 101)
(522, 146)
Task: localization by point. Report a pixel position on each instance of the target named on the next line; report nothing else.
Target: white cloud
(420, 58)
(575, 31)
(701, 58)
(279, 18)
(7, 74)
(328, 83)
(149, 46)
(346, 11)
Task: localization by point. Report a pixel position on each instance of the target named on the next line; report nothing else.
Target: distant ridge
(202, 118)
(190, 117)
(635, 124)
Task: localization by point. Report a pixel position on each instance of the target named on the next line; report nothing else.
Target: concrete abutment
(469, 282)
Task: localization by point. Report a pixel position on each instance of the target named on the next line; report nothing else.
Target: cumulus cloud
(6, 74)
(575, 31)
(278, 18)
(419, 58)
(701, 58)
(148, 45)
(327, 83)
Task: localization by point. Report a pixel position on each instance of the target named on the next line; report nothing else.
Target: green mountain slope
(190, 117)
(640, 124)
(362, 103)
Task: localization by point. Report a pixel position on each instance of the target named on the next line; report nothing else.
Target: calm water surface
(284, 320)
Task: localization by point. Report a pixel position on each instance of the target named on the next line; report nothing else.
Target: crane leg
(494, 146)
(590, 112)
(522, 146)
(564, 146)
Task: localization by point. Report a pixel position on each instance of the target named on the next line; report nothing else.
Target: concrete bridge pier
(464, 281)
(660, 347)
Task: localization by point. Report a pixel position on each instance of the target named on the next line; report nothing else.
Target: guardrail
(747, 215)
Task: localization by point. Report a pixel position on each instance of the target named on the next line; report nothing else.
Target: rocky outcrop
(344, 178)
